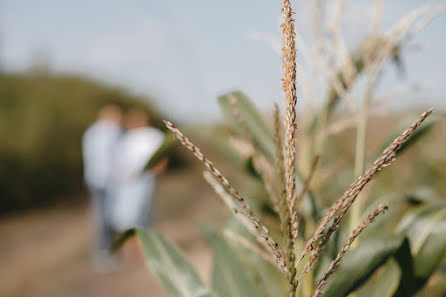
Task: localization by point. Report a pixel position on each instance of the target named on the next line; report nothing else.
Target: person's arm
(159, 167)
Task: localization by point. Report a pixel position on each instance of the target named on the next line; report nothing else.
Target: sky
(183, 54)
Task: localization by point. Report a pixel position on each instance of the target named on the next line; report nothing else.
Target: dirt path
(46, 253)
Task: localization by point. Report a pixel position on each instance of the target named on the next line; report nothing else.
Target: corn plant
(290, 244)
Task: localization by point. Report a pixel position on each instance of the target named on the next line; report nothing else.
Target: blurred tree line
(42, 119)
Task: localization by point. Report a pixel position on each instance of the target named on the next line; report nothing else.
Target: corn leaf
(418, 225)
(261, 135)
(259, 131)
(395, 278)
(219, 140)
(386, 284)
(172, 268)
(435, 288)
(426, 231)
(400, 204)
(270, 281)
(230, 276)
(404, 259)
(431, 253)
(359, 264)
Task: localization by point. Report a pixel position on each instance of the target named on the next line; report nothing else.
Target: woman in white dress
(133, 187)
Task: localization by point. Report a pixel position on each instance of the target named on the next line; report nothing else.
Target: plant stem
(361, 136)
(308, 284)
(361, 131)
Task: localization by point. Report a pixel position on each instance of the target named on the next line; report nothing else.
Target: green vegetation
(294, 239)
(42, 118)
(396, 255)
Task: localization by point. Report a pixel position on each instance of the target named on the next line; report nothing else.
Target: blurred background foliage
(42, 119)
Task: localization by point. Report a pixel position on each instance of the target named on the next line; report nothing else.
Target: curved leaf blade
(386, 284)
(172, 268)
(431, 254)
(359, 264)
(253, 121)
(230, 277)
(262, 137)
(426, 230)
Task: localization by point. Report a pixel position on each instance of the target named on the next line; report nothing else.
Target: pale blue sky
(183, 53)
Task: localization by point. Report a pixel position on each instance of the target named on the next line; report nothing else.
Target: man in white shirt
(98, 146)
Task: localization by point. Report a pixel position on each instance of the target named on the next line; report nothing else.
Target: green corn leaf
(418, 225)
(392, 279)
(219, 140)
(431, 253)
(230, 276)
(262, 137)
(329, 253)
(400, 204)
(386, 284)
(172, 268)
(270, 281)
(359, 264)
(395, 278)
(425, 228)
(407, 286)
(267, 277)
(426, 231)
(434, 288)
(253, 120)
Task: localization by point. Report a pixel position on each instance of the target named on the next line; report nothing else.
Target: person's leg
(152, 216)
(102, 233)
(96, 214)
(105, 230)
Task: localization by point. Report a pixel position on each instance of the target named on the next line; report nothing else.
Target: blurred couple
(116, 150)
